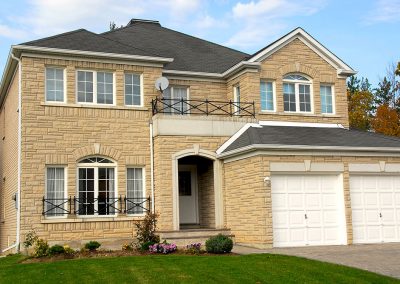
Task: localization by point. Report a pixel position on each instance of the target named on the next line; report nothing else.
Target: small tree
(146, 231)
(386, 121)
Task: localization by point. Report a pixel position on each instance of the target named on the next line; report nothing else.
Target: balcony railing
(95, 206)
(202, 107)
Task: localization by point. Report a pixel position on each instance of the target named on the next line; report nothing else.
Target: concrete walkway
(378, 258)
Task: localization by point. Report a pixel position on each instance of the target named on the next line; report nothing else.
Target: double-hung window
(327, 102)
(55, 200)
(267, 96)
(96, 187)
(135, 195)
(95, 87)
(133, 90)
(55, 84)
(297, 95)
(236, 99)
(175, 99)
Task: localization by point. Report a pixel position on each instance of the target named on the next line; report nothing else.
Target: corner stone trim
(96, 149)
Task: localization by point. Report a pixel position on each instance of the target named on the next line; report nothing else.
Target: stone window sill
(48, 104)
(299, 114)
(90, 219)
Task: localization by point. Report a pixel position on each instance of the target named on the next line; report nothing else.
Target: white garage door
(307, 210)
(375, 203)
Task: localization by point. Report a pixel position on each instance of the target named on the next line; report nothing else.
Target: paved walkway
(378, 258)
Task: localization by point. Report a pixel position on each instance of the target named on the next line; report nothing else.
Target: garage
(307, 210)
(375, 202)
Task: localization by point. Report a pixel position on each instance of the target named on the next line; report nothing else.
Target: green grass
(181, 268)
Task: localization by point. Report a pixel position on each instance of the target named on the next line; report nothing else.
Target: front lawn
(183, 268)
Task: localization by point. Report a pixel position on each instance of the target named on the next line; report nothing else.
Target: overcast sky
(365, 34)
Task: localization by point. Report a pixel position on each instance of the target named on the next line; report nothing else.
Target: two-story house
(255, 146)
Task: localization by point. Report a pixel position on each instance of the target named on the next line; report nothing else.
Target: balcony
(202, 107)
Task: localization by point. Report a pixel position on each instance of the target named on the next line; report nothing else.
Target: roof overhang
(342, 68)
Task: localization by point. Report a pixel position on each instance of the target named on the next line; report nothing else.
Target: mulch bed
(107, 253)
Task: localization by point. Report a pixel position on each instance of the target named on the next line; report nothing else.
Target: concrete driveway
(378, 258)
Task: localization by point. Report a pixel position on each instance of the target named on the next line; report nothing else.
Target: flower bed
(163, 248)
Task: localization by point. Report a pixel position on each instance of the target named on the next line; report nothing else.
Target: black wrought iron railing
(202, 107)
(54, 207)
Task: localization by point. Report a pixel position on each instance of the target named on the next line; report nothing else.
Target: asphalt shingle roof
(311, 136)
(150, 39)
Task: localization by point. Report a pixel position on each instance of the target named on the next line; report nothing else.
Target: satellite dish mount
(161, 84)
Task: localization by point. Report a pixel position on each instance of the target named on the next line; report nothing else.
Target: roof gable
(298, 33)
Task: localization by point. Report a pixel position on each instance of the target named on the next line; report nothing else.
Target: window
(95, 87)
(236, 99)
(96, 187)
(135, 196)
(297, 93)
(176, 98)
(326, 99)
(133, 93)
(55, 192)
(267, 96)
(55, 84)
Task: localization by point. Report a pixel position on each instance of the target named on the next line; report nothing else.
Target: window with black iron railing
(202, 107)
(60, 207)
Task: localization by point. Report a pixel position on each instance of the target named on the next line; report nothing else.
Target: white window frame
(94, 87)
(273, 95)
(236, 108)
(96, 166)
(143, 185)
(64, 84)
(187, 92)
(65, 188)
(141, 89)
(297, 93)
(333, 98)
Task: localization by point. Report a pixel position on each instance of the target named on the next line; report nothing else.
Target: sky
(365, 34)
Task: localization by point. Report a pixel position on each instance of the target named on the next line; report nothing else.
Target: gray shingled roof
(87, 41)
(150, 39)
(311, 136)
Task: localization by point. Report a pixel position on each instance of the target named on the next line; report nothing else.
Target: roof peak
(143, 21)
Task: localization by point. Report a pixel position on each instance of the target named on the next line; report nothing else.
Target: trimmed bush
(41, 248)
(56, 249)
(219, 244)
(92, 245)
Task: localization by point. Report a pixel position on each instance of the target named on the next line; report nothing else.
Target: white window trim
(297, 94)
(180, 86)
(143, 183)
(96, 186)
(64, 83)
(333, 98)
(94, 88)
(141, 90)
(65, 188)
(273, 95)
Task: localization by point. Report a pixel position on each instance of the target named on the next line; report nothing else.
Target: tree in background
(386, 121)
(360, 103)
(113, 26)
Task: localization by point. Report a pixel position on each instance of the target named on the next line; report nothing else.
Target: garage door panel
(397, 199)
(372, 216)
(280, 200)
(331, 234)
(388, 215)
(373, 233)
(386, 199)
(297, 235)
(330, 218)
(389, 233)
(314, 236)
(296, 201)
(296, 219)
(313, 200)
(280, 219)
(314, 218)
(371, 199)
(357, 200)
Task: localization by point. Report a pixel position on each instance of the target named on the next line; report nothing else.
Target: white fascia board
(332, 149)
(300, 124)
(92, 53)
(312, 43)
(239, 66)
(236, 136)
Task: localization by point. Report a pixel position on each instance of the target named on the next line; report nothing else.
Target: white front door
(375, 203)
(188, 199)
(307, 210)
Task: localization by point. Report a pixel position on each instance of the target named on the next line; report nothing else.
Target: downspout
(18, 199)
(152, 166)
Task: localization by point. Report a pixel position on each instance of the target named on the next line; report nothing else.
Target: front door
(188, 200)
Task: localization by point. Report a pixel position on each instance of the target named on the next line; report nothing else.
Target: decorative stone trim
(298, 68)
(307, 166)
(96, 149)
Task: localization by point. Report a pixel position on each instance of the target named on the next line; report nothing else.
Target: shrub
(56, 249)
(68, 250)
(163, 248)
(219, 244)
(30, 239)
(127, 246)
(41, 248)
(194, 248)
(146, 231)
(145, 246)
(92, 245)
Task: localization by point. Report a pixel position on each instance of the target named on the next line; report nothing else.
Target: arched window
(297, 95)
(96, 187)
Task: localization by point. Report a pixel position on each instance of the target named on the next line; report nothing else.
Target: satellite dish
(161, 84)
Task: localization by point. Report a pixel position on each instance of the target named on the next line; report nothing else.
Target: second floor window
(95, 87)
(176, 99)
(297, 94)
(267, 96)
(326, 99)
(236, 98)
(133, 94)
(54, 84)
